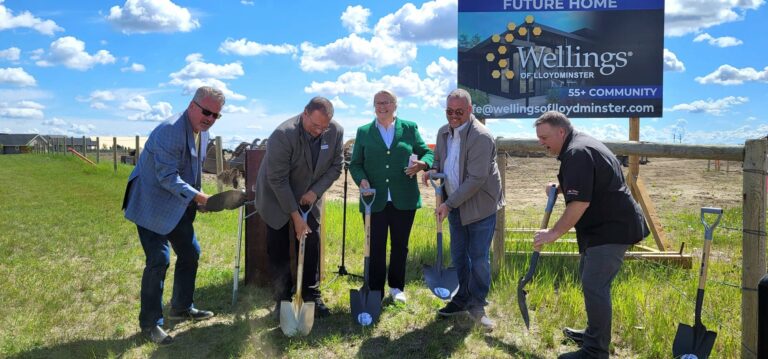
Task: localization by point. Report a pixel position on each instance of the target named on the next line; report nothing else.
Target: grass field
(70, 268)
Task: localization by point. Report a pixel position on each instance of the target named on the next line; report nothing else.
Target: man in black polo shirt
(607, 220)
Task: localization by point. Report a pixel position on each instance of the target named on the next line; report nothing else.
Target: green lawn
(70, 268)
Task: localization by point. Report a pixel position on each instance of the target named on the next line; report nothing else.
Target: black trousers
(397, 224)
(278, 248)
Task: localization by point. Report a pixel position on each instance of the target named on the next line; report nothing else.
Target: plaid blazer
(167, 176)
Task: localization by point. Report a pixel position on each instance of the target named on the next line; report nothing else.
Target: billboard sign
(585, 58)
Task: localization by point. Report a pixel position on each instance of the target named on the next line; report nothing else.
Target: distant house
(20, 143)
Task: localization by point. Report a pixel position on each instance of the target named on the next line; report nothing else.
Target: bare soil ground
(673, 184)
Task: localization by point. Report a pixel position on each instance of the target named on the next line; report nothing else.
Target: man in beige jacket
(466, 153)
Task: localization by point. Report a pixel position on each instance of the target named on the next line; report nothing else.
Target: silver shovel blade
(296, 317)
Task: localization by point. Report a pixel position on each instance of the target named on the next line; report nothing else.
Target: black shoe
(321, 310)
(157, 335)
(193, 314)
(451, 309)
(576, 335)
(579, 354)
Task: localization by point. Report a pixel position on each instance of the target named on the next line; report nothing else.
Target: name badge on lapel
(324, 146)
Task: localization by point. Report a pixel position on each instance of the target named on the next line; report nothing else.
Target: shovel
(696, 341)
(365, 303)
(297, 317)
(443, 283)
(521, 293)
(236, 272)
(225, 200)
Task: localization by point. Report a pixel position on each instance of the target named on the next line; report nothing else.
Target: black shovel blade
(225, 200)
(442, 282)
(522, 303)
(365, 305)
(695, 340)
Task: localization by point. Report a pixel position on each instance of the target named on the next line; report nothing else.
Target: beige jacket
(480, 193)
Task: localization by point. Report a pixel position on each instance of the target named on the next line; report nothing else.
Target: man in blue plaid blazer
(161, 198)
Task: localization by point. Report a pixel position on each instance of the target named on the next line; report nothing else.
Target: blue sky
(117, 68)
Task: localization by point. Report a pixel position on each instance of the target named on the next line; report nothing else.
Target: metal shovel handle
(709, 229)
(433, 177)
(364, 192)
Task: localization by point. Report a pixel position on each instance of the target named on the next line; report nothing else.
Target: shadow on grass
(510, 349)
(438, 339)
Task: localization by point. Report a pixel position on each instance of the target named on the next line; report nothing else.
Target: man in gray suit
(161, 198)
(303, 159)
(466, 152)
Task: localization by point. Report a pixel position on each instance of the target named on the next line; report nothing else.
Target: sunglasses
(450, 112)
(384, 103)
(206, 112)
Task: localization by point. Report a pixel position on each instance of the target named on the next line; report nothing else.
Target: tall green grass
(70, 268)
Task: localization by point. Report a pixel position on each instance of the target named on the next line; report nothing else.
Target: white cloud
(134, 68)
(431, 91)
(24, 110)
(198, 73)
(36, 54)
(244, 47)
(355, 51)
(234, 109)
(355, 19)
(70, 52)
(436, 23)
(339, 104)
(136, 103)
(246, 2)
(102, 95)
(81, 129)
(729, 75)
(16, 76)
(691, 16)
(10, 54)
(710, 106)
(145, 16)
(161, 111)
(55, 122)
(671, 63)
(98, 106)
(26, 20)
(724, 41)
(394, 40)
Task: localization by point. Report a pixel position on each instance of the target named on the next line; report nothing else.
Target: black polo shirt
(589, 172)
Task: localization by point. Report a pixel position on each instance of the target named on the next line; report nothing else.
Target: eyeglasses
(207, 112)
(322, 128)
(450, 112)
(383, 103)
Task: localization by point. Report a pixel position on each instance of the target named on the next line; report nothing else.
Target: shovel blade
(695, 340)
(522, 303)
(296, 317)
(443, 283)
(365, 305)
(225, 200)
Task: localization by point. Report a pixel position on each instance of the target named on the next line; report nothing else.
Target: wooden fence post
(136, 158)
(114, 152)
(85, 148)
(98, 149)
(753, 245)
(219, 162)
(500, 235)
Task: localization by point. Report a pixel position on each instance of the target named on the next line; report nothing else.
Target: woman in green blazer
(387, 155)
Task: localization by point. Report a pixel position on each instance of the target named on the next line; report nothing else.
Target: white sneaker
(397, 294)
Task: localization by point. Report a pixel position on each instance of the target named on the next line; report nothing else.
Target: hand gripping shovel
(365, 303)
(442, 282)
(521, 293)
(297, 317)
(696, 341)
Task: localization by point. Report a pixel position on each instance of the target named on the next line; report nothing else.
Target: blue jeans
(158, 253)
(470, 252)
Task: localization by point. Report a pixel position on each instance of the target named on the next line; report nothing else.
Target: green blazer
(384, 168)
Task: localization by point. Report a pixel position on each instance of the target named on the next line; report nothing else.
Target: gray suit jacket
(286, 172)
(479, 194)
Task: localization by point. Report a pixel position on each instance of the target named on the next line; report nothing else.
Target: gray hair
(388, 93)
(462, 94)
(209, 92)
(320, 103)
(554, 119)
